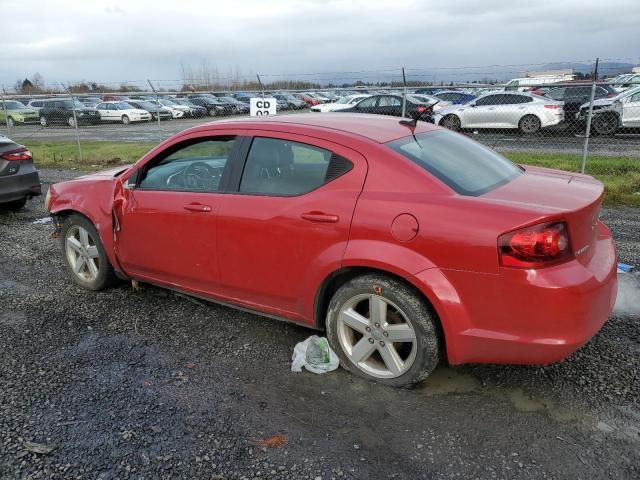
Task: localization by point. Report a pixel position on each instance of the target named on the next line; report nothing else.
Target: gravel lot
(150, 385)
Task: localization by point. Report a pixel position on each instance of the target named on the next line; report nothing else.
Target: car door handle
(319, 217)
(197, 207)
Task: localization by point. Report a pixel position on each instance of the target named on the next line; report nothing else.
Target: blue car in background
(455, 97)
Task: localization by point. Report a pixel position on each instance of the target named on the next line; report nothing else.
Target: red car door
(166, 215)
(288, 224)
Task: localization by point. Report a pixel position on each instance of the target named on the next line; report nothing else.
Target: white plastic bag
(315, 355)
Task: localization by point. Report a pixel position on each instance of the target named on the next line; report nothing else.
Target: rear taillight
(535, 246)
(421, 109)
(553, 106)
(21, 153)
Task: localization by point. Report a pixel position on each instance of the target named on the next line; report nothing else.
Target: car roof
(379, 128)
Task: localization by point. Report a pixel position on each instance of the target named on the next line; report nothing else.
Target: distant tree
(38, 81)
(27, 87)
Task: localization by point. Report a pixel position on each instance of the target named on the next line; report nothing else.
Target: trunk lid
(557, 194)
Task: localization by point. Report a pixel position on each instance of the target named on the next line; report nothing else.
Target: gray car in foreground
(19, 178)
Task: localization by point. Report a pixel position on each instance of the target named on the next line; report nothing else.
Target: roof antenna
(417, 115)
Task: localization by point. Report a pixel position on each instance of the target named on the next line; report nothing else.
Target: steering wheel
(201, 176)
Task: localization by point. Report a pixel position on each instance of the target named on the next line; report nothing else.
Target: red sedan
(407, 245)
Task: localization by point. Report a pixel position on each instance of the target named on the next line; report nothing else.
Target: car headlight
(47, 199)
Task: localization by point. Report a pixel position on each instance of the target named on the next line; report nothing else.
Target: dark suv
(61, 111)
(19, 179)
(575, 95)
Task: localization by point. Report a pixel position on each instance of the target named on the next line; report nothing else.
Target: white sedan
(121, 112)
(526, 112)
(341, 103)
(177, 110)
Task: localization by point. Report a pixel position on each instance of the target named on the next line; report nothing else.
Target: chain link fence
(575, 125)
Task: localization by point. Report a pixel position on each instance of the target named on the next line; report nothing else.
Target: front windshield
(166, 101)
(147, 105)
(626, 93)
(13, 105)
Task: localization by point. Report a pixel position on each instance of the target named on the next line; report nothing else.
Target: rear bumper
(19, 186)
(529, 316)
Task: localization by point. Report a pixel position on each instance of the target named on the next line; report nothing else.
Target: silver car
(610, 114)
(524, 111)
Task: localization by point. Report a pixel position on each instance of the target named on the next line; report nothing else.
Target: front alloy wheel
(84, 254)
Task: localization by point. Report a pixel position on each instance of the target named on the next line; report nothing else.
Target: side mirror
(132, 181)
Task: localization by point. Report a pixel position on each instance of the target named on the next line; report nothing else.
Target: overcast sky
(114, 40)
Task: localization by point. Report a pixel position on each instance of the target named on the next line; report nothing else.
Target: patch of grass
(620, 176)
(96, 155)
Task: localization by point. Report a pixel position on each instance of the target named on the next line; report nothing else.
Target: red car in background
(310, 101)
(408, 244)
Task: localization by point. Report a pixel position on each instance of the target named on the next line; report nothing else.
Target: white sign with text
(262, 106)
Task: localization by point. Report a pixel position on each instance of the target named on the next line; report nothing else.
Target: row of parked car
(528, 111)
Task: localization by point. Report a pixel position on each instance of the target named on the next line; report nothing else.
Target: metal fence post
(261, 85)
(404, 94)
(75, 120)
(157, 102)
(6, 116)
(585, 148)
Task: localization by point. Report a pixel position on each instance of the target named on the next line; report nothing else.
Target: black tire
(13, 206)
(125, 120)
(106, 275)
(213, 112)
(529, 124)
(452, 122)
(606, 124)
(418, 315)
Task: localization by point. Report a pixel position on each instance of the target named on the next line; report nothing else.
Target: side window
(389, 101)
(284, 168)
(367, 102)
(489, 100)
(635, 97)
(192, 166)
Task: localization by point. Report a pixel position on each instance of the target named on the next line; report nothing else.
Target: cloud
(69, 40)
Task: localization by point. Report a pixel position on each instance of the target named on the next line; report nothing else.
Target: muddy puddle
(452, 381)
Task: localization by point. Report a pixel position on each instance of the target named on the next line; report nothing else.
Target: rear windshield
(461, 163)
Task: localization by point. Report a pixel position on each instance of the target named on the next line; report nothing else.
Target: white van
(525, 83)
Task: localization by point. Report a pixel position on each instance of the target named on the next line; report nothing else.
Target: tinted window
(635, 97)
(488, 100)
(450, 97)
(367, 102)
(194, 167)
(281, 167)
(464, 165)
(388, 101)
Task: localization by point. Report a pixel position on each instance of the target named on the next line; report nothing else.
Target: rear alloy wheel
(529, 124)
(125, 120)
(383, 331)
(84, 254)
(43, 121)
(452, 122)
(213, 112)
(605, 124)
(71, 122)
(11, 121)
